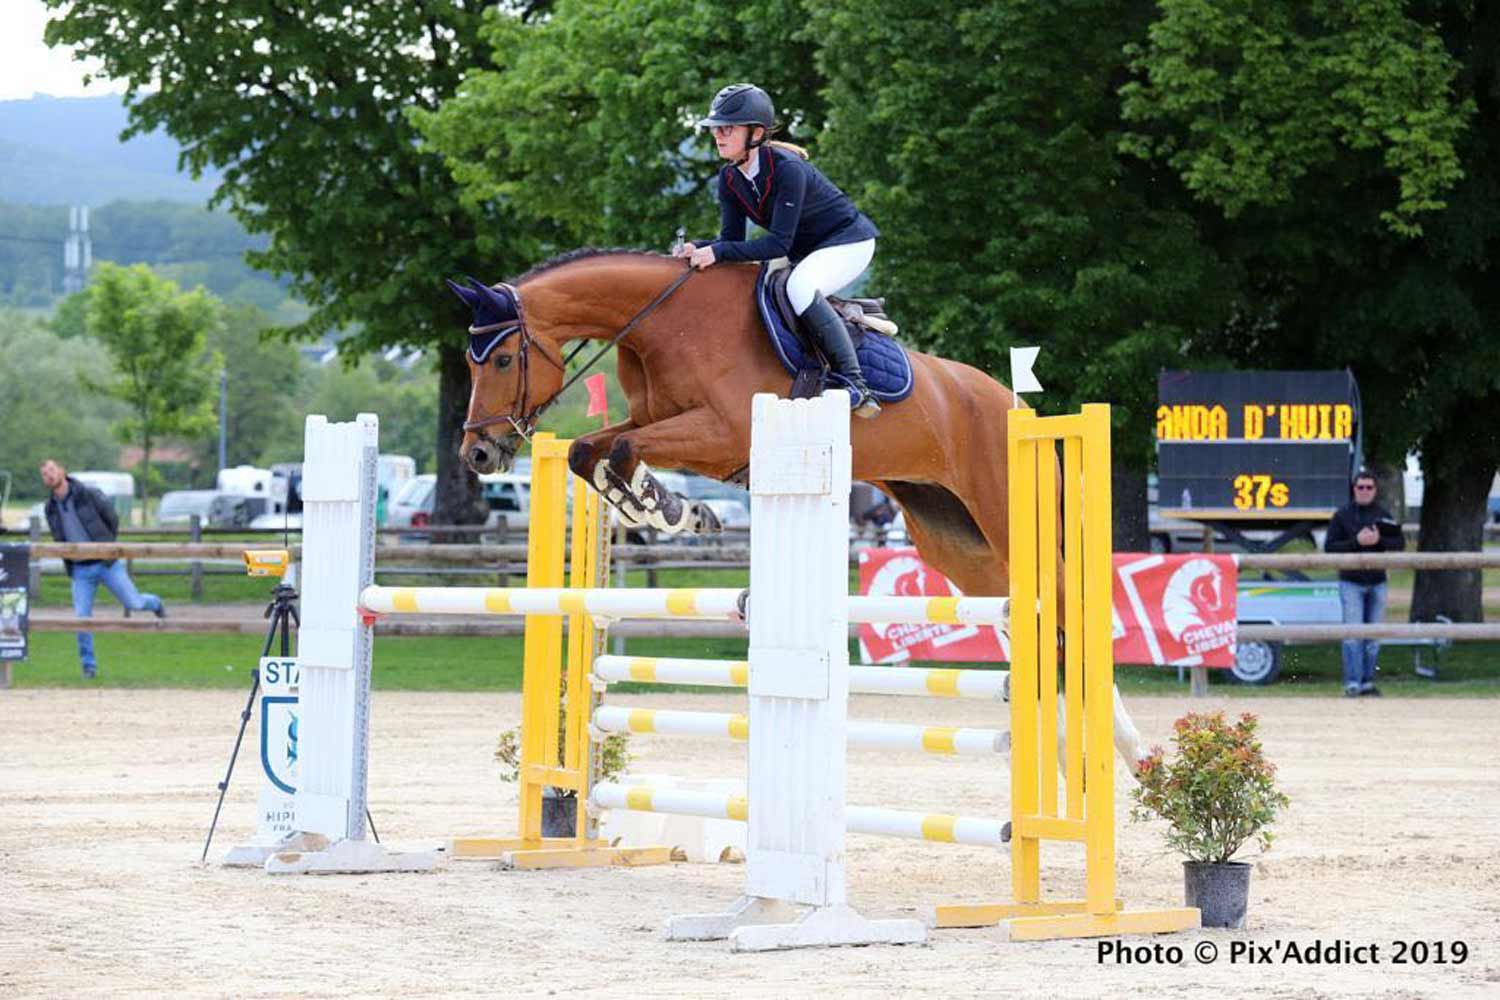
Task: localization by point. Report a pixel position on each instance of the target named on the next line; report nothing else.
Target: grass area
(470, 663)
(402, 663)
(175, 589)
(233, 588)
(465, 663)
(1470, 669)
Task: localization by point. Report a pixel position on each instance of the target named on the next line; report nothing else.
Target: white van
(245, 481)
(393, 470)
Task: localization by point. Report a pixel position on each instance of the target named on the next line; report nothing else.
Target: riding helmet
(740, 104)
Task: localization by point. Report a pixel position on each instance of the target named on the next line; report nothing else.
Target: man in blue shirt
(78, 513)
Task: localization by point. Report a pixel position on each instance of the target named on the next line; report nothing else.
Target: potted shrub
(1217, 793)
(560, 805)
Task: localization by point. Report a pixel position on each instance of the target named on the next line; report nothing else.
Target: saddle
(886, 367)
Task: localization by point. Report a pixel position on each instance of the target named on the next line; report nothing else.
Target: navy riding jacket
(800, 209)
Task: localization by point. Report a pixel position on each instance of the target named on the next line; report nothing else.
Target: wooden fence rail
(490, 555)
(47, 620)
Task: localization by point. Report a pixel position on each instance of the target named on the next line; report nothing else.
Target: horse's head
(508, 389)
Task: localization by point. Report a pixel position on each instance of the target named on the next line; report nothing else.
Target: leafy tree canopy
(303, 107)
(156, 338)
(1276, 91)
(584, 122)
(982, 138)
(985, 140)
(45, 415)
(1351, 152)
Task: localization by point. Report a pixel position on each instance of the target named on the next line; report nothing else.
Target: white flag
(1021, 378)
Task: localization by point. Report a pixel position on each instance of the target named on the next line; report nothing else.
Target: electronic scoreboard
(1275, 446)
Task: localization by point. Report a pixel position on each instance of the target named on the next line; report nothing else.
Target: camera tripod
(282, 612)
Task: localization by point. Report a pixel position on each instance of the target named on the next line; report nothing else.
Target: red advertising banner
(1175, 610)
(900, 573)
(1168, 610)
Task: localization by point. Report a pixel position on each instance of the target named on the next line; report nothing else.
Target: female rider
(807, 220)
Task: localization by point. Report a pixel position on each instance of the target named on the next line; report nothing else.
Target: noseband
(523, 421)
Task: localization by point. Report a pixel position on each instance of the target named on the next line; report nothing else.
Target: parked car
(215, 509)
(508, 495)
(730, 503)
(411, 505)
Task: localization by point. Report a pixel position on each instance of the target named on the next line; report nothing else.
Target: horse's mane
(585, 253)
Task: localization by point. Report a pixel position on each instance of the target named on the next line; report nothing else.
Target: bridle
(503, 331)
(522, 420)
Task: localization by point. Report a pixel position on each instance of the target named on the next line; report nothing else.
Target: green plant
(1216, 794)
(612, 753)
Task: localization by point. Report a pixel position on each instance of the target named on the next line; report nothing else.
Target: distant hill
(66, 150)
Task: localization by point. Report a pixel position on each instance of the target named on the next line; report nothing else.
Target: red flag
(598, 397)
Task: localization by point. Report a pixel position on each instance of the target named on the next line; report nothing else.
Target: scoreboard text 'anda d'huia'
(1255, 445)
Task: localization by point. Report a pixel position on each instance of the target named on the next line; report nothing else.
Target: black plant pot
(559, 815)
(1219, 889)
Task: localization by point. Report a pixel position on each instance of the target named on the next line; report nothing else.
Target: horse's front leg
(696, 438)
(588, 457)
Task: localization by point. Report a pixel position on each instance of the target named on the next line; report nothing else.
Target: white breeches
(827, 270)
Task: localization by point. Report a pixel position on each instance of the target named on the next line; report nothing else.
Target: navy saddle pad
(886, 367)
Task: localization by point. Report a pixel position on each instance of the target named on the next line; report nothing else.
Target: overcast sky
(28, 67)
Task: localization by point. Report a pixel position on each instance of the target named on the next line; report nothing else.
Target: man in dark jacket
(78, 513)
(1362, 526)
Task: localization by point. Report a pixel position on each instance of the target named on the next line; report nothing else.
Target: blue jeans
(1363, 604)
(86, 580)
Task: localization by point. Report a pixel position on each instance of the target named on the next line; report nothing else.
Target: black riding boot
(827, 328)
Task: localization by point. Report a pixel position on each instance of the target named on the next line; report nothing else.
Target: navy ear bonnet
(496, 317)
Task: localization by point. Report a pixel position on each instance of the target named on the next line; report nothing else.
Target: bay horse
(692, 354)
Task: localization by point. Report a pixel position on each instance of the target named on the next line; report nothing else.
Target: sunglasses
(1365, 486)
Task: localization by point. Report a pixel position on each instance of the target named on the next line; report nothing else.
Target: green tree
(405, 398)
(264, 383)
(156, 338)
(1346, 155)
(42, 411)
(68, 319)
(583, 125)
(303, 108)
(983, 136)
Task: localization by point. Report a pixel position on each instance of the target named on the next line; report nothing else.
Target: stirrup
(865, 403)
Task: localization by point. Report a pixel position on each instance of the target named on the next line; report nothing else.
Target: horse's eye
(503, 361)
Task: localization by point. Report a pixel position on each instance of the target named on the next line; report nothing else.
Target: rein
(524, 422)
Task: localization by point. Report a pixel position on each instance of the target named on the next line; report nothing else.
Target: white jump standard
(333, 653)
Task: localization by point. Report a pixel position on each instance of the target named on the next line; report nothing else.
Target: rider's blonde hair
(790, 147)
